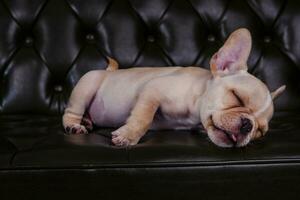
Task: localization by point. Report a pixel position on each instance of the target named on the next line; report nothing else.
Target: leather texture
(47, 45)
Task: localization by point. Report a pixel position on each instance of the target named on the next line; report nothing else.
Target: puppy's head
(237, 106)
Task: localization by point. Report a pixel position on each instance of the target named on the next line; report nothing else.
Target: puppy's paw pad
(76, 129)
(68, 129)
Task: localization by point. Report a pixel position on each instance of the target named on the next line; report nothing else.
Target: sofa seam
(137, 165)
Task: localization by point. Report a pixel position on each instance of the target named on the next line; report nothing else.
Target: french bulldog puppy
(233, 106)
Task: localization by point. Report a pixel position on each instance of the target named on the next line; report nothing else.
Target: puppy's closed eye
(232, 100)
(239, 99)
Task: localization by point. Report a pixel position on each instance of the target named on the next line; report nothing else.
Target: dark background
(46, 46)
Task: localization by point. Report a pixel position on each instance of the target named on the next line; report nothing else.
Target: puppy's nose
(246, 126)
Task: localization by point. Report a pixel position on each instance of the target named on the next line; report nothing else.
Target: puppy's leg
(80, 99)
(138, 122)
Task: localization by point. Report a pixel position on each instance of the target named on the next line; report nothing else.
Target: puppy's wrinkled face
(236, 106)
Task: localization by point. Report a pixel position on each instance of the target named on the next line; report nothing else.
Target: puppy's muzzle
(245, 128)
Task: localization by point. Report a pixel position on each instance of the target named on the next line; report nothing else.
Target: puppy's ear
(233, 56)
(277, 92)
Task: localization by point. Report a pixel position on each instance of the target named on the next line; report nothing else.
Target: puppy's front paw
(76, 129)
(120, 138)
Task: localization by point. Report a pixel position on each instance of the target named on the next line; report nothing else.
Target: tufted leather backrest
(47, 45)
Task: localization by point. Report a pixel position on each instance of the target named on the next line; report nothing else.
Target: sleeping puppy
(233, 106)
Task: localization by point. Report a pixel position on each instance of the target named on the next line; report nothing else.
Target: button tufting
(267, 39)
(58, 88)
(29, 41)
(211, 38)
(151, 38)
(90, 37)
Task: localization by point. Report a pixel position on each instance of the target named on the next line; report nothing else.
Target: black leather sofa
(47, 45)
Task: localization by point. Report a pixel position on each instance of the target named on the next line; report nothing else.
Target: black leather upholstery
(47, 45)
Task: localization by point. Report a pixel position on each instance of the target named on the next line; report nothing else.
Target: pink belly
(106, 115)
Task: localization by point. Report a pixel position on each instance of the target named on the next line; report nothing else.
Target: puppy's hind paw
(76, 129)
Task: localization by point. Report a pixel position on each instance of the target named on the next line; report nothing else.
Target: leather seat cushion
(39, 142)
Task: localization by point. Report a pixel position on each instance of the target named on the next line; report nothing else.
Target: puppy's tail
(113, 65)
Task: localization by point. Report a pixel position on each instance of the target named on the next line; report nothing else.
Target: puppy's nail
(114, 136)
